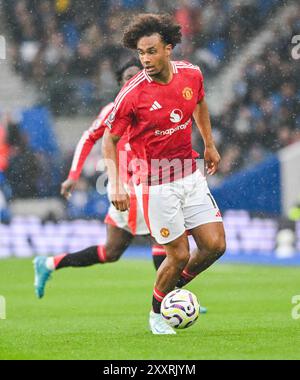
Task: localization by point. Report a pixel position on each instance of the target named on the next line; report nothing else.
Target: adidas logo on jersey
(155, 106)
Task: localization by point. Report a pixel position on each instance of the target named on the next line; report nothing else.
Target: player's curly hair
(148, 24)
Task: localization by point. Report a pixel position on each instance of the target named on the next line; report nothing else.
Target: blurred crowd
(14, 155)
(29, 169)
(264, 116)
(23, 171)
(70, 49)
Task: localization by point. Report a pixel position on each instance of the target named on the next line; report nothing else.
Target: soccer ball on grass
(180, 308)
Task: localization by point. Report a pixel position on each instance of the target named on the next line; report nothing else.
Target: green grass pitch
(102, 313)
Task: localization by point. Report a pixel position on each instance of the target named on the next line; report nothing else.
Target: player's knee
(218, 246)
(113, 254)
(182, 258)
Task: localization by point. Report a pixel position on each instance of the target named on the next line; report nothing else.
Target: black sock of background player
(85, 258)
(157, 261)
(158, 255)
(182, 282)
(185, 278)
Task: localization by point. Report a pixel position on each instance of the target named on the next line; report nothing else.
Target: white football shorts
(172, 208)
(132, 220)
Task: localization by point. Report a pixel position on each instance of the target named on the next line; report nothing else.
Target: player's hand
(120, 199)
(212, 159)
(67, 187)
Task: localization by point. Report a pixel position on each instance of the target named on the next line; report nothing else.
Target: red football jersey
(160, 119)
(89, 139)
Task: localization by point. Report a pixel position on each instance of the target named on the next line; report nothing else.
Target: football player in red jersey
(121, 226)
(159, 104)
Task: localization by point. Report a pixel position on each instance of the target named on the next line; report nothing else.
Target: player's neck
(165, 76)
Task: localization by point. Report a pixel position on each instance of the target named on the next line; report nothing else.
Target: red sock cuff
(158, 295)
(101, 253)
(187, 275)
(57, 259)
(158, 250)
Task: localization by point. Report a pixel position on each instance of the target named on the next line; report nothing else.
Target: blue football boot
(41, 275)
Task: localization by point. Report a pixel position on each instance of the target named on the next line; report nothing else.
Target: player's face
(129, 73)
(154, 54)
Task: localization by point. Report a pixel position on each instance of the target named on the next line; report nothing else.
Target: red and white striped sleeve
(122, 114)
(87, 141)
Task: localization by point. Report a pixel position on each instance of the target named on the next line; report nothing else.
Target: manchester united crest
(187, 93)
(164, 232)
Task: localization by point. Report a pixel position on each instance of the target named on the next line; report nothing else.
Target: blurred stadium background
(58, 71)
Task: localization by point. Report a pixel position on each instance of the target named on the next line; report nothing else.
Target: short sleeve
(121, 116)
(97, 129)
(201, 92)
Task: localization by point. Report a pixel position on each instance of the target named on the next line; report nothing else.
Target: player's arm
(119, 197)
(117, 123)
(202, 119)
(83, 149)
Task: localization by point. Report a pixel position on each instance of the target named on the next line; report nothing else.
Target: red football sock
(158, 297)
(58, 259)
(101, 253)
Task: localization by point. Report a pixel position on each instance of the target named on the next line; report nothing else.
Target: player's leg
(199, 208)
(162, 211)
(211, 245)
(140, 228)
(117, 242)
(167, 277)
(158, 255)
(204, 221)
(171, 268)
